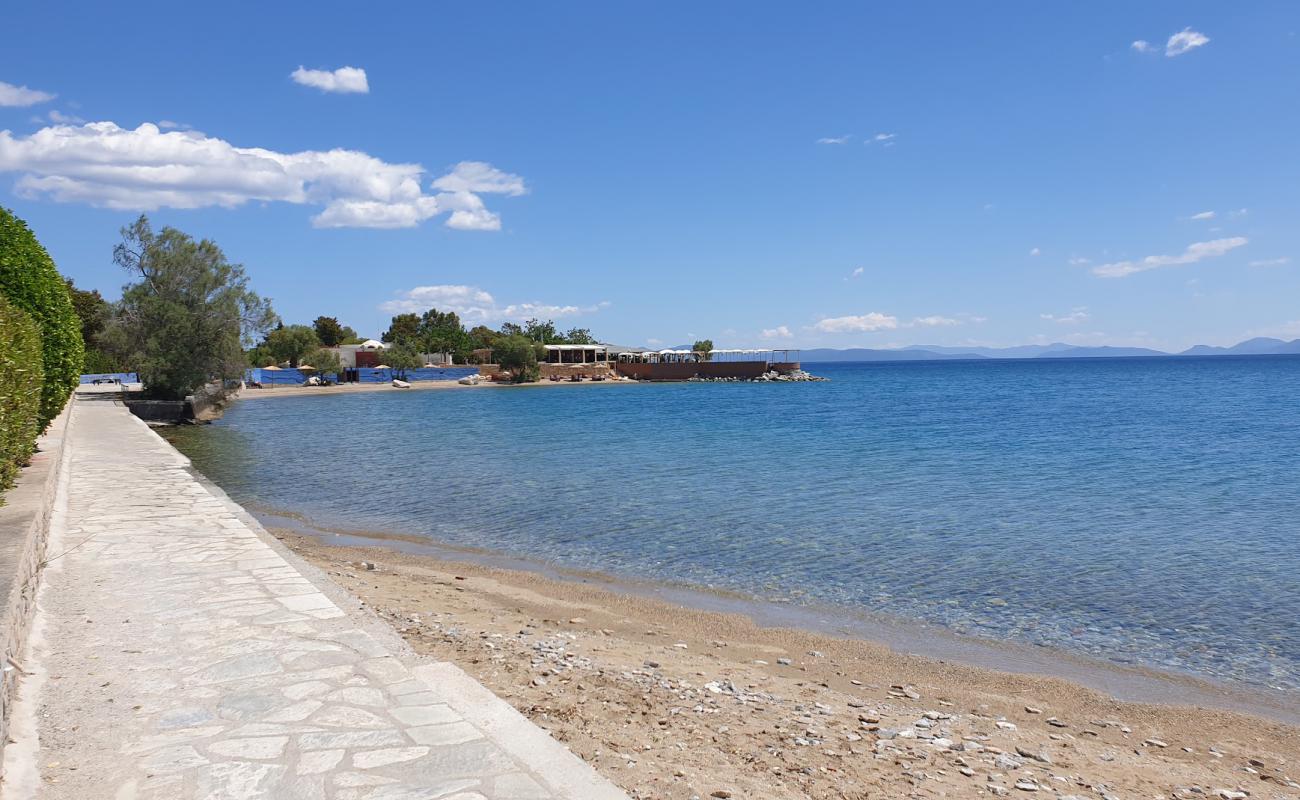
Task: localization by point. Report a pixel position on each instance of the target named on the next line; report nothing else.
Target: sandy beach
(672, 702)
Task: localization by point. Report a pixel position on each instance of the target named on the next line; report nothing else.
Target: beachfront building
(575, 362)
(577, 353)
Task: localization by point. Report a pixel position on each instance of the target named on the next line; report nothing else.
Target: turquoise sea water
(1143, 511)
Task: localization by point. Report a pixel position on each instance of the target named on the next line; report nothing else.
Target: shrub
(21, 374)
(518, 355)
(30, 282)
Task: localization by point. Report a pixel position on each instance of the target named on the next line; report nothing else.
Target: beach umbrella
(306, 366)
(382, 366)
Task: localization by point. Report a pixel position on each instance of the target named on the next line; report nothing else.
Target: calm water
(1142, 511)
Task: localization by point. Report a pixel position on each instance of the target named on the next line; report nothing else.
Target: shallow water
(1143, 511)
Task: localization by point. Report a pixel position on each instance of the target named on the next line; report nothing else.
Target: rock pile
(798, 376)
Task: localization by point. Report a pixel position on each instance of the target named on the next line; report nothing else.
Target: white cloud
(59, 117)
(934, 322)
(1194, 252)
(1077, 315)
(167, 125)
(1203, 215)
(344, 80)
(1035, 252)
(1185, 41)
(474, 305)
(20, 96)
(1269, 262)
(1240, 212)
(779, 332)
(1142, 46)
(883, 137)
(864, 323)
(857, 273)
(104, 165)
(1076, 261)
(835, 139)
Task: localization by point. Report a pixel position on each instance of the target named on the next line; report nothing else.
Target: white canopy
(371, 344)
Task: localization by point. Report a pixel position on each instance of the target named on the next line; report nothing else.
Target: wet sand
(677, 702)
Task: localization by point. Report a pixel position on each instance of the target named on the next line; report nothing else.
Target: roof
(576, 347)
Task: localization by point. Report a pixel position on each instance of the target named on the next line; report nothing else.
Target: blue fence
(104, 377)
(369, 375)
(294, 377)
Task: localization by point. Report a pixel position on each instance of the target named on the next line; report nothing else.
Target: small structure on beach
(682, 365)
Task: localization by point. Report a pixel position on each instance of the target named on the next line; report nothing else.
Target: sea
(1138, 511)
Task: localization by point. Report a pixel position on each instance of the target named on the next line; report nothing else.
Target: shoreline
(674, 701)
(914, 638)
(360, 388)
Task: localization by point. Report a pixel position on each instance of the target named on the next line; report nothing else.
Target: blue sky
(841, 175)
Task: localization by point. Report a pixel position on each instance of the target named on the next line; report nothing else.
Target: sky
(793, 175)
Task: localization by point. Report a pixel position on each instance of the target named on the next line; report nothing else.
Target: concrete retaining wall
(24, 530)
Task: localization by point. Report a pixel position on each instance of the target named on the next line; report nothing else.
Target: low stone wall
(569, 370)
(24, 530)
(169, 411)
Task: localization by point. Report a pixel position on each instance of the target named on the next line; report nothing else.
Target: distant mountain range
(925, 352)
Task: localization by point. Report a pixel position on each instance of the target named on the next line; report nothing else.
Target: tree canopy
(404, 329)
(328, 331)
(95, 313)
(190, 313)
(290, 343)
(703, 346)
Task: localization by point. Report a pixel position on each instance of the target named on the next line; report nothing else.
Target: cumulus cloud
(104, 165)
(1185, 41)
(1142, 46)
(1077, 315)
(344, 80)
(779, 332)
(1203, 215)
(20, 96)
(1194, 252)
(864, 323)
(857, 273)
(835, 139)
(474, 305)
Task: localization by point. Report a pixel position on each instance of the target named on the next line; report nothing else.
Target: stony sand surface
(179, 654)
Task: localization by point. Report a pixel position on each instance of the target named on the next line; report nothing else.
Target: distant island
(1259, 346)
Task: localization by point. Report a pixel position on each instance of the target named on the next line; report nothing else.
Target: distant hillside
(1019, 351)
(1103, 352)
(934, 352)
(824, 354)
(1259, 346)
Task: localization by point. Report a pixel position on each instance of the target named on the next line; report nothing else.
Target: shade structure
(307, 366)
(381, 366)
(273, 368)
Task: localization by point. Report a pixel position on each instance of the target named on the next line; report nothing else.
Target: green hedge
(30, 282)
(20, 390)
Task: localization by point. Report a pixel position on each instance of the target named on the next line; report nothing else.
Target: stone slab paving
(183, 655)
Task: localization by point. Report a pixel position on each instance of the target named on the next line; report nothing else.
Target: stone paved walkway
(179, 654)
